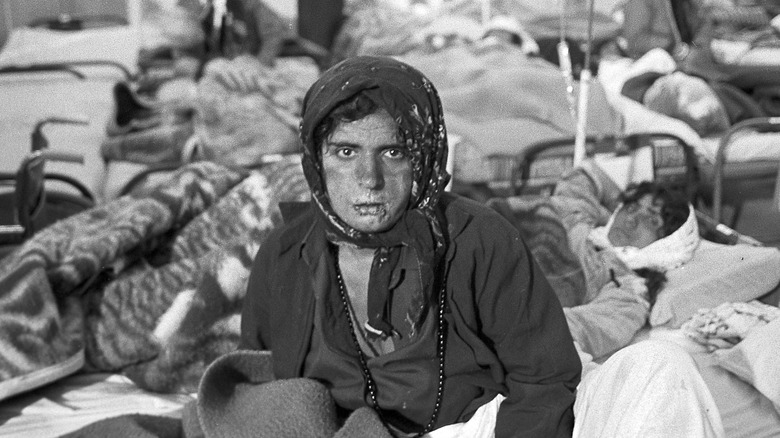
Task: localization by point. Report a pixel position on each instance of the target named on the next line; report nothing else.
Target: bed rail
(70, 67)
(763, 172)
(24, 207)
(536, 169)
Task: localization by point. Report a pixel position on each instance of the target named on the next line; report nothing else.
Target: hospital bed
(733, 181)
(32, 198)
(537, 168)
(63, 74)
(740, 164)
(77, 266)
(727, 268)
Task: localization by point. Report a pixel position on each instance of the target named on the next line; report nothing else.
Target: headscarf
(412, 101)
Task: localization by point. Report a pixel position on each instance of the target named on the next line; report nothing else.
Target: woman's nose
(369, 173)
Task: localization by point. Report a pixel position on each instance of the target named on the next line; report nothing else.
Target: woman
(394, 294)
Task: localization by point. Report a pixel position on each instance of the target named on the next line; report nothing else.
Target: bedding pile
(500, 102)
(240, 123)
(238, 113)
(149, 284)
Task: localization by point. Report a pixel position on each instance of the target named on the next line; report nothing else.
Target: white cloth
(664, 254)
(481, 425)
(649, 389)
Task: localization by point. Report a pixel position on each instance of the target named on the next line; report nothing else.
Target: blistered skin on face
(367, 172)
(637, 224)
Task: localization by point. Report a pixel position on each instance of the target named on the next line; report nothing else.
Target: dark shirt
(506, 332)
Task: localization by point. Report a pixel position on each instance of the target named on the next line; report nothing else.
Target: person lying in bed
(624, 241)
(398, 296)
(618, 237)
(705, 89)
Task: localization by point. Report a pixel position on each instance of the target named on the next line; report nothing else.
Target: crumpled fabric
(729, 323)
(241, 127)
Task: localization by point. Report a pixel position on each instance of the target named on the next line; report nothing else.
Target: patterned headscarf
(412, 101)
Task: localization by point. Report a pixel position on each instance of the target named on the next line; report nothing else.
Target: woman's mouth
(369, 208)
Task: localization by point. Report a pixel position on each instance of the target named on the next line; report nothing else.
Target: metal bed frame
(736, 182)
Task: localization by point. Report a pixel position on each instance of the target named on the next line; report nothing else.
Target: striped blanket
(148, 284)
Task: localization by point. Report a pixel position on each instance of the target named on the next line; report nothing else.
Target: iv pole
(584, 93)
(564, 61)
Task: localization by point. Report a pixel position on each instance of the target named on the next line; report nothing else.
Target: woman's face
(637, 224)
(368, 174)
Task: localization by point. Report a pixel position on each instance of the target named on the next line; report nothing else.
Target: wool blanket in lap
(148, 284)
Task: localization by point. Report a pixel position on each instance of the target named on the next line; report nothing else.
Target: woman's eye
(345, 152)
(395, 153)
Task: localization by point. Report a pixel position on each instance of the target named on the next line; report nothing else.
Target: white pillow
(717, 274)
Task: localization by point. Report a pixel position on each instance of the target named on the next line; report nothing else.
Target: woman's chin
(370, 223)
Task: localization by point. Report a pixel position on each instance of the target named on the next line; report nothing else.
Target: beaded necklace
(370, 384)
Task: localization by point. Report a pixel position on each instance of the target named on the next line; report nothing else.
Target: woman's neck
(355, 265)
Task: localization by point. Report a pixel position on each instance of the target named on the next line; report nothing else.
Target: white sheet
(744, 411)
(76, 401)
(649, 389)
(748, 146)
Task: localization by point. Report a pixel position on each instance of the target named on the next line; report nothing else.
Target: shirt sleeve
(612, 319)
(523, 319)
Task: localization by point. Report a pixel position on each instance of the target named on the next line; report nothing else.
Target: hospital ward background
(145, 146)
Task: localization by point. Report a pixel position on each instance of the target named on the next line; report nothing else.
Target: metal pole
(582, 102)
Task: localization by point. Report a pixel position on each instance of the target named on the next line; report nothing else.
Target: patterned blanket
(149, 284)
(541, 227)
